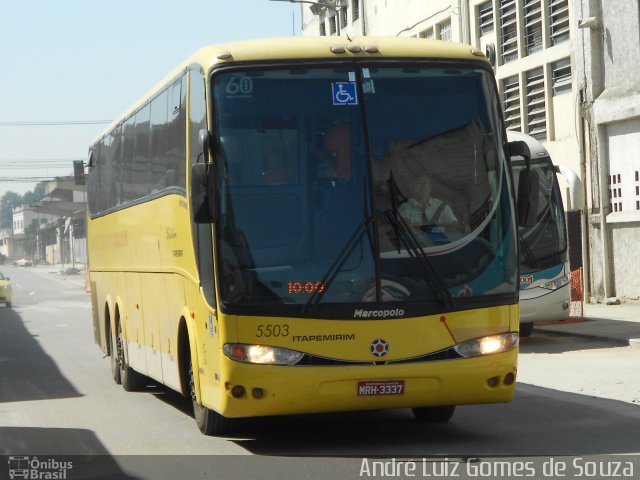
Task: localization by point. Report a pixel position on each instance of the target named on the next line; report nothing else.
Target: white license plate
(380, 387)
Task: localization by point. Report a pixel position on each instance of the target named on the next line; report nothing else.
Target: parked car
(6, 295)
(23, 262)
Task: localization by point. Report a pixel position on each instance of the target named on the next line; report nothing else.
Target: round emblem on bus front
(379, 348)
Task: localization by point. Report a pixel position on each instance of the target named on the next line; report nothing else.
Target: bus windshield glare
(353, 185)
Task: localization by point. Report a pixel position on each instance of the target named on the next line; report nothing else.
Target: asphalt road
(57, 398)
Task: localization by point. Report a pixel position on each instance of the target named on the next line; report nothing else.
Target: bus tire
(130, 379)
(434, 414)
(526, 329)
(208, 421)
(115, 364)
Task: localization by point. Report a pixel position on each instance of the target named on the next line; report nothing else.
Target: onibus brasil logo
(38, 469)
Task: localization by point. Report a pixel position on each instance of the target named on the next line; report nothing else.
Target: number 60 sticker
(240, 86)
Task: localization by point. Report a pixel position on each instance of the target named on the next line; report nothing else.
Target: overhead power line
(32, 163)
(53, 123)
(25, 179)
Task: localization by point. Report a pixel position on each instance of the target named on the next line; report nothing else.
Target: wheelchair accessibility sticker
(344, 93)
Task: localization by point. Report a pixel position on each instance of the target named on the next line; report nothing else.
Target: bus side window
(176, 130)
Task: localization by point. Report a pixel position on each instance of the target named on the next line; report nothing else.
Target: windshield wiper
(405, 236)
(336, 266)
(528, 256)
(344, 255)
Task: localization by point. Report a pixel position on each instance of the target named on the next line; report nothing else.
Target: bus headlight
(262, 354)
(557, 283)
(487, 345)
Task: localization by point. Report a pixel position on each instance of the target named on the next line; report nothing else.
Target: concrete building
(60, 220)
(25, 245)
(63, 241)
(567, 72)
(607, 72)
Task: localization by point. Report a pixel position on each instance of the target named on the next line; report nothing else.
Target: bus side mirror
(205, 143)
(198, 196)
(202, 191)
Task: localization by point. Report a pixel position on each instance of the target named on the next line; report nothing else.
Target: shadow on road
(79, 449)
(26, 371)
(539, 422)
(560, 342)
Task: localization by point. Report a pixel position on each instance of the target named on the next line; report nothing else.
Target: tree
(11, 200)
(8, 202)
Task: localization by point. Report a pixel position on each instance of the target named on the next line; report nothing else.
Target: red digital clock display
(306, 287)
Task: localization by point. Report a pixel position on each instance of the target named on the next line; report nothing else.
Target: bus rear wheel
(434, 414)
(130, 379)
(115, 364)
(208, 421)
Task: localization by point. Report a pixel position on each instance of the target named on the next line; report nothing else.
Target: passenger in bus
(275, 171)
(421, 209)
(336, 154)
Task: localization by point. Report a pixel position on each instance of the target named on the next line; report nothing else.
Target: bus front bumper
(282, 390)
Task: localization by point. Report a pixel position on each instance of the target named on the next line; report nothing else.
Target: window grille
(355, 10)
(444, 30)
(343, 18)
(485, 18)
(508, 30)
(536, 106)
(332, 25)
(561, 76)
(615, 192)
(428, 34)
(511, 98)
(558, 21)
(532, 25)
(637, 173)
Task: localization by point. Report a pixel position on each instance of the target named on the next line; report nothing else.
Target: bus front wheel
(208, 421)
(434, 414)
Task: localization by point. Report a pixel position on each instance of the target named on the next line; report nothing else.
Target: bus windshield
(544, 244)
(348, 185)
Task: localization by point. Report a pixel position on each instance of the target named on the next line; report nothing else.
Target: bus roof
(300, 48)
(535, 146)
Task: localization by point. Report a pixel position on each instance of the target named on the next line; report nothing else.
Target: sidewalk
(615, 323)
(75, 274)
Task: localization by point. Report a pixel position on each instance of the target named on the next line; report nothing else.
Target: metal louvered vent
(511, 96)
(508, 30)
(532, 25)
(485, 18)
(536, 111)
(561, 76)
(558, 21)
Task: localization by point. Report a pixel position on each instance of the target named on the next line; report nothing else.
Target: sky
(70, 61)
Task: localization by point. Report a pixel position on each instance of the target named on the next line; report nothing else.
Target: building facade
(51, 230)
(607, 58)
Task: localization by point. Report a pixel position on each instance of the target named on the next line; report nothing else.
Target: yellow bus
(250, 244)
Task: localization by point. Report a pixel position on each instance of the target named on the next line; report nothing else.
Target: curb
(616, 341)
